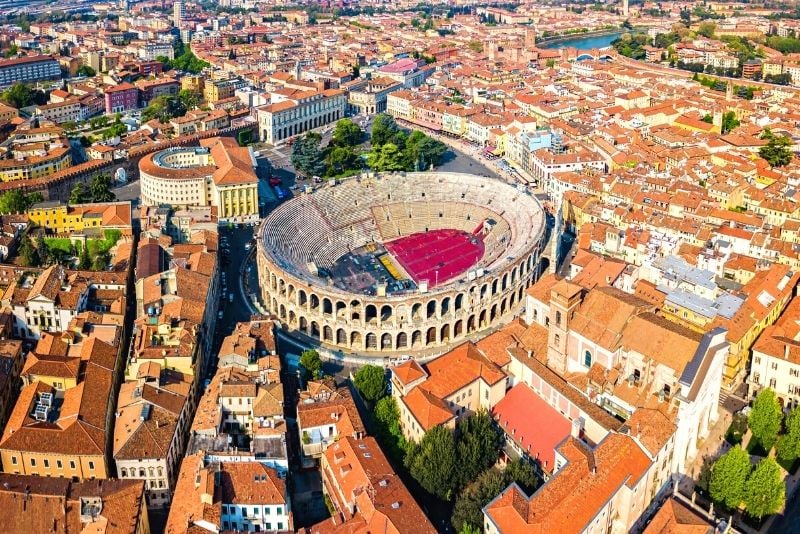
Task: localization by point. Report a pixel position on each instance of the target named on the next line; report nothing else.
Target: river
(584, 42)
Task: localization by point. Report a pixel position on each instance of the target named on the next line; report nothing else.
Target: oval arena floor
(437, 255)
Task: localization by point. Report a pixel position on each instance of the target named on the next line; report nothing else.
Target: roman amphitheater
(400, 263)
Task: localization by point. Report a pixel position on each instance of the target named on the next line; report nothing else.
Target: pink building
(122, 97)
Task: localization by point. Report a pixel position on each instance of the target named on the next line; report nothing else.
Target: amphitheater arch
(341, 337)
(355, 310)
(458, 329)
(503, 304)
(513, 275)
(372, 341)
(459, 302)
(282, 313)
(444, 306)
(327, 306)
(292, 318)
(522, 269)
(482, 319)
(371, 313)
(402, 341)
(302, 297)
(314, 301)
(341, 309)
(314, 329)
(356, 341)
(387, 312)
(494, 287)
(471, 324)
(430, 337)
(484, 289)
(493, 314)
(416, 311)
(416, 338)
(513, 299)
(274, 307)
(281, 286)
(273, 281)
(521, 292)
(291, 293)
(444, 333)
(303, 324)
(505, 282)
(327, 333)
(386, 341)
(430, 311)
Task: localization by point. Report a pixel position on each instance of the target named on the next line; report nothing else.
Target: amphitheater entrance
(356, 341)
(416, 339)
(341, 337)
(402, 340)
(372, 341)
(386, 341)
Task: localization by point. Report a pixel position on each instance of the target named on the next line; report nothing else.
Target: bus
(280, 193)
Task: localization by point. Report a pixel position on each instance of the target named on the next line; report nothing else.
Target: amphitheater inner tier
(400, 262)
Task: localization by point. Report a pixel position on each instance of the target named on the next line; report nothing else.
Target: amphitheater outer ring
(390, 326)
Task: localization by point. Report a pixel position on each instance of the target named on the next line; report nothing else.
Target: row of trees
(450, 465)
(394, 149)
(735, 483)
(339, 158)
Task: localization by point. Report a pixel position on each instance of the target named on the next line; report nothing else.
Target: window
(72, 464)
(91, 465)
(772, 383)
(14, 460)
(557, 339)
(279, 511)
(558, 318)
(266, 510)
(587, 359)
(757, 360)
(280, 525)
(47, 463)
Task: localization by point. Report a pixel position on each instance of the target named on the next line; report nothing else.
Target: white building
(292, 113)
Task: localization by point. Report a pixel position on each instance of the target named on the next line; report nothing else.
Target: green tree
(387, 428)
(478, 446)
(100, 261)
(347, 133)
(18, 95)
(84, 262)
(164, 108)
(13, 202)
(468, 508)
(79, 195)
(100, 188)
(307, 156)
(386, 158)
(765, 491)
(729, 122)
(384, 128)
(312, 363)
(28, 256)
(189, 98)
(475, 46)
(707, 29)
(778, 150)
(728, 477)
(765, 418)
(432, 462)
(341, 159)
(12, 51)
(424, 152)
(86, 70)
(788, 448)
(370, 380)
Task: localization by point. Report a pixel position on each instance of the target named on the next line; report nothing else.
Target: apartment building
(776, 358)
(228, 496)
(58, 429)
(151, 423)
(28, 69)
(365, 492)
(62, 218)
(294, 112)
(36, 504)
(446, 389)
(325, 414)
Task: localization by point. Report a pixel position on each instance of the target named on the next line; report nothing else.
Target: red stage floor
(437, 256)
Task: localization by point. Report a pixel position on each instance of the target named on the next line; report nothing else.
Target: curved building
(400, 263)
(218, 173)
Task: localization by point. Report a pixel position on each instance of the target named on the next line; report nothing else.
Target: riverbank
(605, 37)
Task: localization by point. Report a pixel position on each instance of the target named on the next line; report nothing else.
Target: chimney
(577, 427)
(785, 351)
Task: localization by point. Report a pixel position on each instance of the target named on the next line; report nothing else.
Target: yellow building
(62, 431)
(64, 219)
(218, 90)
(34, 166)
